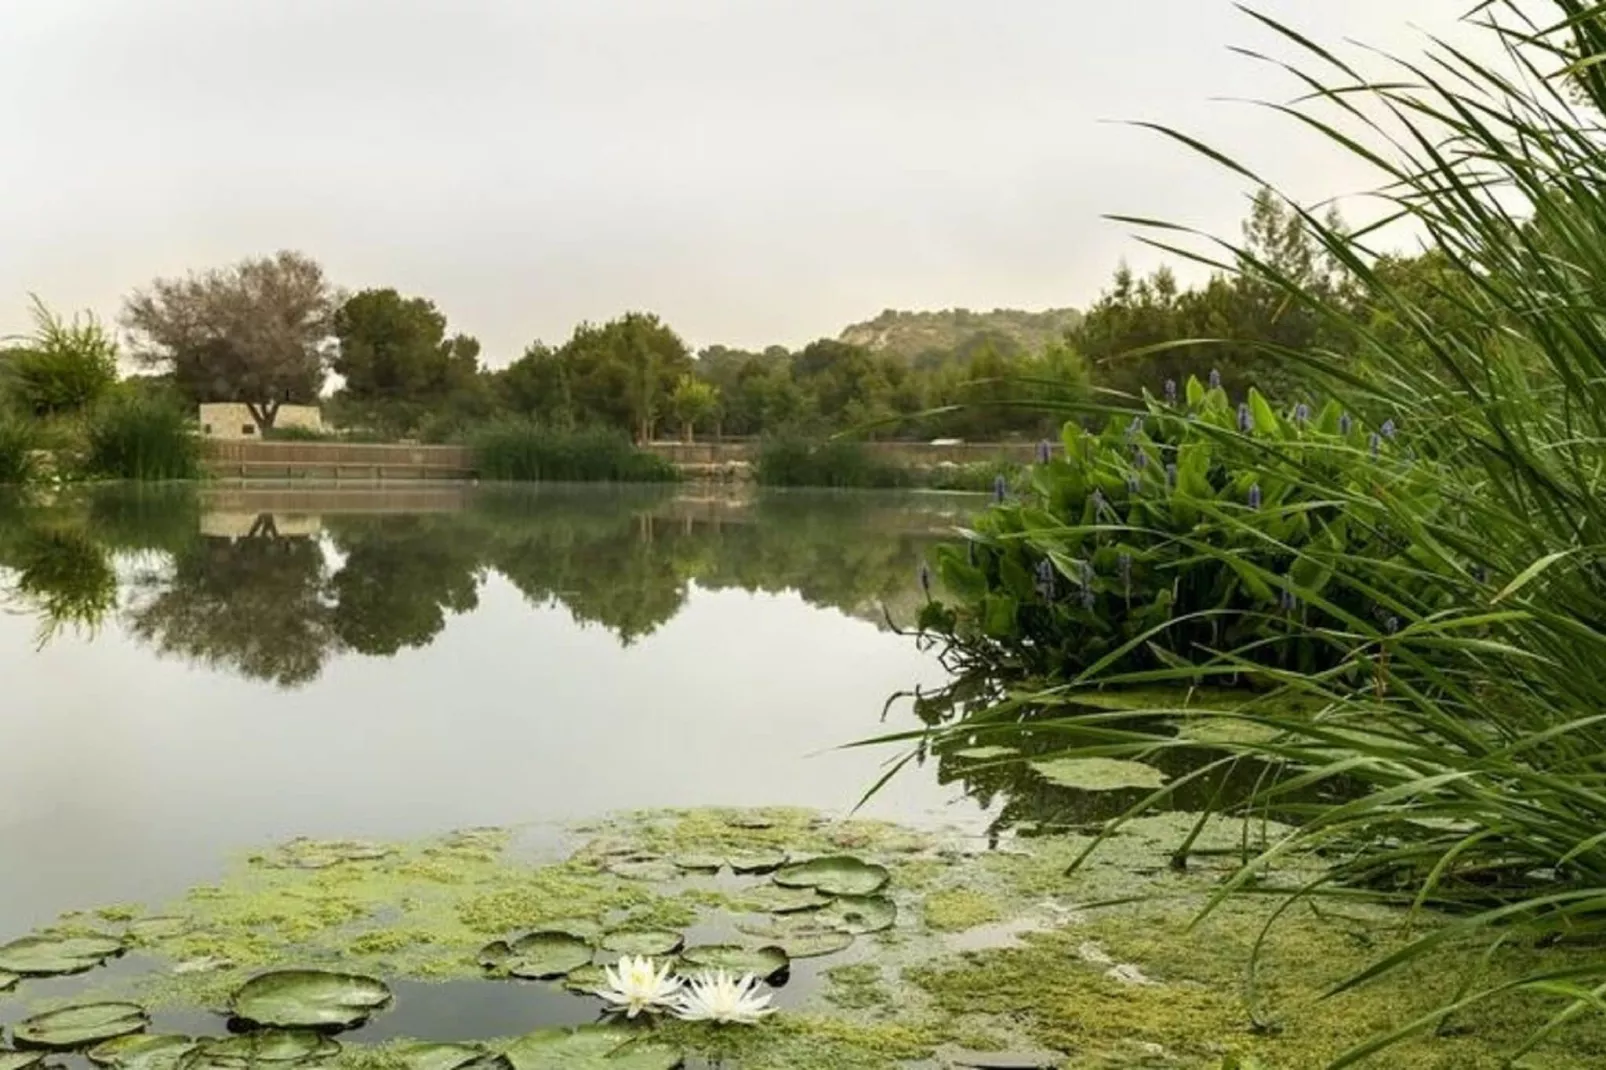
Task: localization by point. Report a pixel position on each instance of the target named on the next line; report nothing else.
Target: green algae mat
(884, 947)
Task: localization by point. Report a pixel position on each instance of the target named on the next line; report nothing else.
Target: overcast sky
(755, 171)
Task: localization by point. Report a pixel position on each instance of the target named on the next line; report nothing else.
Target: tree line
(269, 331)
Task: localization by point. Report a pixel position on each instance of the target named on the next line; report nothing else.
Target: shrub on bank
(1174, 536)
(18, 441)
(795, 461)
(137, 437)
(520, 451)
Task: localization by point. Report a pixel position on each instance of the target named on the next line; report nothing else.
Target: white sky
(755, 171)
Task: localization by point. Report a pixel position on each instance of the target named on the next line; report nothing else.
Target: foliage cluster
(517, 450)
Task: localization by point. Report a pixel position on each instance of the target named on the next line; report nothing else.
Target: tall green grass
(19, 439)
(139, 438)
(794, 461)
(518, 451)
(1477, 730)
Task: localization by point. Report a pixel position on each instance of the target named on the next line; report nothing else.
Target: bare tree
(256, 332)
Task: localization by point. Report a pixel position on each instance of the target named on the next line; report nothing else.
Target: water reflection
(273, 584)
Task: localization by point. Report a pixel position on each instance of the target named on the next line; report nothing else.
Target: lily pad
(275, 1048)
(986, 754)
(700, 863)
(588, 979)
(80, 1026)
(309, 999)
(806, 941)
(835, 875)
(649, 942)
(541, 955)
(303, 853)
(773, 899)
(142, 1051)
(656, 869)
(20, 1060)
(858, 914)
(581, 928)
(757, 861)
(425, 1055)
(590, 1047)
(47, 955)
(762, 962)
(1098, 774)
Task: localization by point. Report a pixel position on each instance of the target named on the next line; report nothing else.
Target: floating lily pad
(142, 1051)
(425, 1055)
(80, 1026)
(804, 941)
(20, 1060)
(48, 955)
(986, 754)
(835, 875)
(762, 962)
(156, 927)
(309, 999)
(649, 942)
(773, 899)
(322, 854)
(591, 1047)
(757, 861)
(538, 956)
(588, 978)
(858, 914)
(1098, 774)
(582, 928)
(700, 863)
(278, 1049)
(656, 869)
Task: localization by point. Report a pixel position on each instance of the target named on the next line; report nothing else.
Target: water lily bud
(1254, 496)
(1215, 379)
(1244, 420)
(1170, 391)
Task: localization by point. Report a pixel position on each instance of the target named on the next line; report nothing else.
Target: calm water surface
(187, 674)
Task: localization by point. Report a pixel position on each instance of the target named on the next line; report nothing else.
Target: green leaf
(1265, 417)
(48, 955)
(272, 1049)
(310, 999)
(765, 963)
(591, 1047)
(835, 875)
(142, 1052)
(540, 955)
(80, 1026)
(1195, 392)
(642, 942)
(858, 914)
(1525, 577)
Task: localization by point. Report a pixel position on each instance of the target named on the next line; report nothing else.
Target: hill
(910, 334)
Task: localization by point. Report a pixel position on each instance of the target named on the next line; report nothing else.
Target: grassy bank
(517, 451)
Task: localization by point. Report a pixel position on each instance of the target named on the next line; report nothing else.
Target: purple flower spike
(1170, 475)
(1301, 413)
(1244, 420)
(1000, 488)
(1289, 602)
(1345, 423)
(1170, 391)
(1388, 429)
(1392, 625)
(1045, 452)
(1045, 578)
(1215, 379)
(1375, 442)
(1140, 460)
(1133, 486)
(1254, 496)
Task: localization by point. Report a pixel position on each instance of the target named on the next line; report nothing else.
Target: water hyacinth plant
(1461, 697)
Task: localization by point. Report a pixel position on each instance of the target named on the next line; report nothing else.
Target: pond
(219, 669)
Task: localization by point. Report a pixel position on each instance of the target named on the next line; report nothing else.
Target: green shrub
(525, 452)
(61, 367)
(18, 441)
(1171, 537)
(134, 437)
(299, 434)
(979, 476)
(793, 461)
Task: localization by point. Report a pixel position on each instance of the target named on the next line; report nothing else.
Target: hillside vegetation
(912, 334)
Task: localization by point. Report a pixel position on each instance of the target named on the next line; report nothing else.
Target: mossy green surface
(994, 949)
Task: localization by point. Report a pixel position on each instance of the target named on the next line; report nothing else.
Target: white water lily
(723, 998)
(636, 985)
